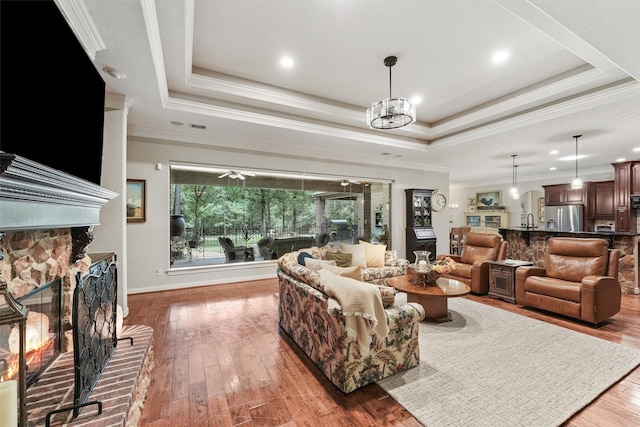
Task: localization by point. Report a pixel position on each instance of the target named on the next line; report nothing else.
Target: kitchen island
(529, 244)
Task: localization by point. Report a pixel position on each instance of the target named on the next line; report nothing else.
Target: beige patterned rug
(489, 367)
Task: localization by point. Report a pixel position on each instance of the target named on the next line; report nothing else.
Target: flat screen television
(52, 96)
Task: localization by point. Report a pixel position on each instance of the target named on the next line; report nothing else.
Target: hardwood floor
(221, 361)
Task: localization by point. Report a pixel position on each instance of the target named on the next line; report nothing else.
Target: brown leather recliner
(472, 266)
(579, 280)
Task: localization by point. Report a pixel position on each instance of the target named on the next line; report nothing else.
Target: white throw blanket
(361, 305)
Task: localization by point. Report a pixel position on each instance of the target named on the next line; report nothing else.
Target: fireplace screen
(43, 336)
(94, 326)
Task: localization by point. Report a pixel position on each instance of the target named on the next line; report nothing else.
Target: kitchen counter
(605, 234)
(529, 244)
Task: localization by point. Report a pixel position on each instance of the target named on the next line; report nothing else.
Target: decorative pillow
(359, 254)
(317, 264)
(324, 250)
(341, 259)
(302, 256)
(374, 254)
(354, 272)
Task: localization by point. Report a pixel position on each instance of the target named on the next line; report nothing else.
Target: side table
(502, 278)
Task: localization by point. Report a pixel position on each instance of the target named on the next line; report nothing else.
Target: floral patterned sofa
(317, 325)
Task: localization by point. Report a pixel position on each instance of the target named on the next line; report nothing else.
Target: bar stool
(456, 239)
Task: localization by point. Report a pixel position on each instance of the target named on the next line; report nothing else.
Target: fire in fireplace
(43, 334)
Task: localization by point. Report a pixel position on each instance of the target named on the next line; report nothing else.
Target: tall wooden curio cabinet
(419, 232)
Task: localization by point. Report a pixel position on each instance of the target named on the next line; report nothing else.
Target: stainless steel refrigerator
(564, 218)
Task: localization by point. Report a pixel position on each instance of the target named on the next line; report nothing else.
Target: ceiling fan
(237, 175)
(346, 182)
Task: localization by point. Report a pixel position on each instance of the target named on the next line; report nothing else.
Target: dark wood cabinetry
(635, 178)
(502, 278)
(418, 208)
(419, 232)
(600, 204)
(622, 189)
(597, 197)
(553, 194)
(563, 194)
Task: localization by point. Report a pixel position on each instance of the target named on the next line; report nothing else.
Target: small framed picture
(488, 199)
(136, 201)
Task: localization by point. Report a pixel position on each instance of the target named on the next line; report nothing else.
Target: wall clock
(438, 202)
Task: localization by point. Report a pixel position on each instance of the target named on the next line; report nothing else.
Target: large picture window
(220, 215)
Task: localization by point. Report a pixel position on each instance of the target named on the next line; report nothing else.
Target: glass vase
(422, 265)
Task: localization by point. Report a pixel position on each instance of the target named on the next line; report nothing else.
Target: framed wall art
(488, 200)
(136, 201)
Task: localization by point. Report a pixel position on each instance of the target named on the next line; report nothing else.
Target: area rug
(490, 367)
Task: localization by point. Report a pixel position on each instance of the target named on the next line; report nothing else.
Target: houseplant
(246, 235)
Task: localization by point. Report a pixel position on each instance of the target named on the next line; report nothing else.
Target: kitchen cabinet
(601, 201)
(563, 194)
(635, 178)
(623, 179)
(486, 222)
(554, 194)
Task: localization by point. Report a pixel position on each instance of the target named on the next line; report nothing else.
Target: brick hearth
(122, 387)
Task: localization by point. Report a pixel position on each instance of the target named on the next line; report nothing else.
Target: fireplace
(43, 334)
(46, 220)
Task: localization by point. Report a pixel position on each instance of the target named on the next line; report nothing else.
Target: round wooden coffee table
(432, 297)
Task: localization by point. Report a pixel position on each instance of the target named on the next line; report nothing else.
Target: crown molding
(593, 99)
(76, 15)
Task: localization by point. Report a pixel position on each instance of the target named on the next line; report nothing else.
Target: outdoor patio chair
(232, 252)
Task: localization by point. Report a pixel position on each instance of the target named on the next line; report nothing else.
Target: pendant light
(514, 179)
(391, 113)
(576, 184)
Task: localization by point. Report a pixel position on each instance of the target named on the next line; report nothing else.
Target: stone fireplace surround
(46, 220)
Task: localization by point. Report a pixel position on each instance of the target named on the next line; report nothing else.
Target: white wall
(110, 234)
(147, 243)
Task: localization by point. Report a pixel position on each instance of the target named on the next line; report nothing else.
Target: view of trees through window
(219, 216)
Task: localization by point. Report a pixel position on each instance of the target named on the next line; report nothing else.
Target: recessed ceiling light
(552, 168)
(553, 152)
(114, 73)
(636, 149)
(286, 62)
(572, 157)
(621, 159)
(500, 56)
